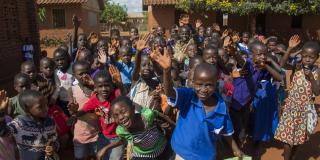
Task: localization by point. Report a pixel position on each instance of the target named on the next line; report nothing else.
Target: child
(32, 131)
(100, 102)
(203, 114)
(79, 41)
(21, 83)
(192, 50)
(298, 119)
(243, 46)
(139, 130)
(63, 77)
(125, 66)
(182, 44)
(47, 67)
(86, 128)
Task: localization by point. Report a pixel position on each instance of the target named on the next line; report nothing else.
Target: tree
(113, 13)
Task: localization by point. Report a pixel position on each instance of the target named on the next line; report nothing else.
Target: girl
(32, 131)
(140, 130)
(298, 119)
(86, 128)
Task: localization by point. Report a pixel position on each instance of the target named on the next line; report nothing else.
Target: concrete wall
(17, 21)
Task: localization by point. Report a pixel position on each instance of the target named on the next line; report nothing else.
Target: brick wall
(17, 21)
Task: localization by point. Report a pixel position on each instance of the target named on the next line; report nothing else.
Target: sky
(132, 5)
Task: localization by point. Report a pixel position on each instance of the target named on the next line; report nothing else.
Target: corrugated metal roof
(159, 2)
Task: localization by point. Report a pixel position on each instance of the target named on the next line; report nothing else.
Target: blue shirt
(196, 131)
(125, 71)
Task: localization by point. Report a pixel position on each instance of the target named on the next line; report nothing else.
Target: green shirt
(149, 143)
(14, 103)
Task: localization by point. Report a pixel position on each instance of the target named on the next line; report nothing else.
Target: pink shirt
(86, 128)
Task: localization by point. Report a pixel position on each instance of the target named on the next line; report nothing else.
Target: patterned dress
(292, 128)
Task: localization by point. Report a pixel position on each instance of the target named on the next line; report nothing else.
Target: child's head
(184, 33)
(47, 67)
(34, 104)
(310, 53)
(61, 58)
(201, 31)
(85, 55)
(114, 34)
(122, 110)
(258, 51)
(103, 84)
(96, 64)
(82, 40)
(21, 82)
(160, 31)
(30, 70)
(245, 37)
(102, 45)
(205, 80)
(209, 32)
(223, 55)
(195, 61)
(80, 69)
(192, 50)
(159, 42)
(134, 33)
(146, 69)
(126, 42)
(125, 54)
(272, 44)
(210, 55)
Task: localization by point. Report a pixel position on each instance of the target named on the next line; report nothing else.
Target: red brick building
(164, 13)
(58, 16)
(17, 21)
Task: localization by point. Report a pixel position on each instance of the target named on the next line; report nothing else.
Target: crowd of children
(153, 97)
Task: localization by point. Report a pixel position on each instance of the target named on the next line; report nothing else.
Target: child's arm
(4, 100)
(141, 44)
(105, 149)
(232, 143)
(165, 62)
(274, 64)
(315, 84)
(232, 52)
(275, 74)
(167, 119)
(293, 42)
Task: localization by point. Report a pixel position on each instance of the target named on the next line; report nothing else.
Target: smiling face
(125, 55)
(103, 87)
(192, 50)
(259, 52)
(210, 55)
(80, 70)
(204, 81)
(61, 60)
(245, 38)
(184, 34)
(123, 114)
(47, 68)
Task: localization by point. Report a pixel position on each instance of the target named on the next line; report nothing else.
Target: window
(296, 22)
(92, 17)
(59, 20)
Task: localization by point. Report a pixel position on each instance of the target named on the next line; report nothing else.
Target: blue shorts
(84, 150)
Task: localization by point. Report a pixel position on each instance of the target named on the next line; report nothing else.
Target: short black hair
(80, 63)
(26, 98)
(102, 74)
(27, 63)
(46, 59)
(61, 51)
(19, 77)
(314, 45)
(215, 49)
(255, 44)
(207, 68)
(123, 99)
(195, 60)
(272, 39)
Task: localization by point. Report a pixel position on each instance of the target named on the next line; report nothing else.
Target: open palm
(163, 60)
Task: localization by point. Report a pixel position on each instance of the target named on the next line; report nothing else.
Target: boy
(21, 83)
(203, 113)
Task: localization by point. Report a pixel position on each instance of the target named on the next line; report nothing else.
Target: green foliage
(244, 7)
(42, 14)
(113, 13)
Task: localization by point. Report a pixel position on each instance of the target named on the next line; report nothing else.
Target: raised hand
(73, 107)
(227, 42)
(225, 33)
(163, 60)
(76, 21)
(115, 74)
(87, 80)
(216, 27)
(294, 41)
(235, 38)
(93, 38)
(142, 43)
(198, 23)
(4, 100)
(102, 56)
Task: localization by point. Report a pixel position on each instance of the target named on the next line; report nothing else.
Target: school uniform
(197, 131)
